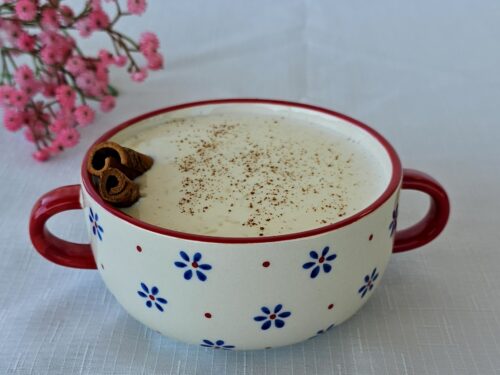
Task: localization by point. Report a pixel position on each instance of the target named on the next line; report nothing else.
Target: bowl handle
(56, 250)
(433, 222)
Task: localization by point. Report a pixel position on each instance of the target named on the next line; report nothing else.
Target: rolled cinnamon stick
(116, 188)
(111, 155)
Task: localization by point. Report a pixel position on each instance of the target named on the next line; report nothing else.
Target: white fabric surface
(424, 73)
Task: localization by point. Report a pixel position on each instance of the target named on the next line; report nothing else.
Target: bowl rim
(391, 188)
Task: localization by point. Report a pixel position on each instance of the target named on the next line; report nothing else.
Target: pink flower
(12, 120)
(24, 76)
(41, 155)
(68, 114)
(155, 61)
(55, 147)
(102, 73)
(32, 88)
(64, 48)
(148, 42)
(30, 117)
(59, 124)
(6, 93)
(34, 131)
(26, 42)
(140, 75)
(49, 54)
(68, 137)
(56, 48)
(84, 114)
(95, 4)
(106, 57)
(26, 10)
(49, 89)
(103, 89)
(75, 65)
(120, 60)
(98, 90)
(107, 103)
(62, 71)
(48, 37)
(50, 19)
(62, 120)
(98, 19)
(13, 36)
(136, 6)
(29, 135)
(83, 26)
(19, 99)
(66, 15)
(8, 25)
(66, 96)
(86, 80)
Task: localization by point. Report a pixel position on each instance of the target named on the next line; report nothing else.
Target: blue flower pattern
(369, 283)
(276, 316)
(193, 266)
(394, 222)
(94, 221)
(219, 344)
(320, 261)
(151, 296)
(270, 316)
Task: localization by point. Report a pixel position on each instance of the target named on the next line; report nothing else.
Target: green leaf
(113, 91)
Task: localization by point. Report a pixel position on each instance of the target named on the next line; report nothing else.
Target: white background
(424, 73)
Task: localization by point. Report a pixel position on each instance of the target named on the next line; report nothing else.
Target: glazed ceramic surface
(248, 295)
(241, 293)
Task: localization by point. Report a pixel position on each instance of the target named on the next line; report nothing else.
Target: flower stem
(75, 86)
(115, 36)
(118, 13)
(5, 69)
(77, 49)
(11, 60)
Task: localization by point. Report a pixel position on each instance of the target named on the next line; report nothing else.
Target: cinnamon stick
(116, 188)
(111, 155)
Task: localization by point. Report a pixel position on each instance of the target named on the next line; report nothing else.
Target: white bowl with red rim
(241, 293)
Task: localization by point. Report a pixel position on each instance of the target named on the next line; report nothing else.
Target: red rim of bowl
(391, 187)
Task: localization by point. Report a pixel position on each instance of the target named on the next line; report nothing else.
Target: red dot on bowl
(208, 315)
(266, 264)
(330, 306)
(371, 237)
(138, 248)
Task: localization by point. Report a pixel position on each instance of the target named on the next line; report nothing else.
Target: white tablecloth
(426, 74)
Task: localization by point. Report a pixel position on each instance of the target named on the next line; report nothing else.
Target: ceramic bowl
(242, 293)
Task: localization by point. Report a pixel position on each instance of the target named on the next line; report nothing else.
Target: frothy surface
(251, 175)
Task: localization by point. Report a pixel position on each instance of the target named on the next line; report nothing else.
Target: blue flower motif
(319, 261)
(394, 222)
(276, 316)
(369, 282)
(96, 228)
(193, 266)
(219, 344)
(152, 297)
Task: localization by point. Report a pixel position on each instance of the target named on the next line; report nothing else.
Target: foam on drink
(252, 175)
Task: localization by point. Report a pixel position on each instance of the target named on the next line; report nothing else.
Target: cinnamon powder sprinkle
(240, 175)
(267, 182)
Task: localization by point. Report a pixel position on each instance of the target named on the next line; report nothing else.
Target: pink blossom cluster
(47, 82)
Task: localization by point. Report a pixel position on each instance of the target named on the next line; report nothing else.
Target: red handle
(56, 250)
(433, 222)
